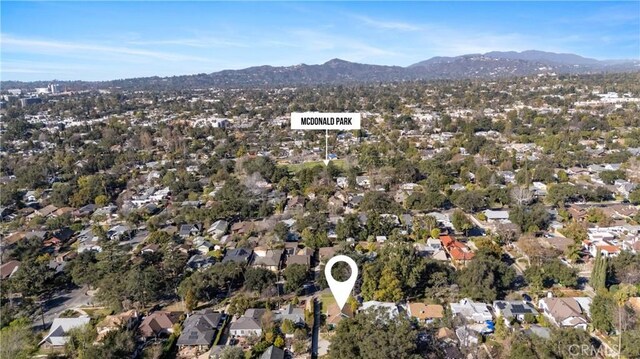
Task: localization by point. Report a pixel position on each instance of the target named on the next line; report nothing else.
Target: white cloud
(192, 42)
(10, 44)
(387, 25)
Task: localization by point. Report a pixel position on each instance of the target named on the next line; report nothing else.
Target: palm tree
(623, 294)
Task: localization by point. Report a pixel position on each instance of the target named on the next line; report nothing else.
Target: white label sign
(325, 121)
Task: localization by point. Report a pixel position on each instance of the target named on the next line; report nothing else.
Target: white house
(497, 216)
(472, 311)
(342, 182)
(58, 333)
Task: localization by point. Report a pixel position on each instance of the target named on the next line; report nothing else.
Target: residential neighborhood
(488, 218)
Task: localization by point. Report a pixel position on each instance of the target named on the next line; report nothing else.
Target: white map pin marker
(341, 290)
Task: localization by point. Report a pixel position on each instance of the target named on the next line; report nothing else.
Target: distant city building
(15, 92)
(24, 102)
(55, 88)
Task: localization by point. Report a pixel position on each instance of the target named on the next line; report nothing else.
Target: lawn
(327, 299)
(97, 312)
(293, 168)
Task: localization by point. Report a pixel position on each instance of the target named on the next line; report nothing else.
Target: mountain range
(490, 65)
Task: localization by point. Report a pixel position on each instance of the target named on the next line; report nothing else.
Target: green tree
(603, 312)
(389, 287)
(469, 201)
(348, 227)
(259, 279)
(232, 352)
(485, 277)
(631, 343)
(530, 218)
(461, 222)
(501, 329)
(101, 200)
(287, 326)
(33, 277)
(18, 340)
(296, 275)
(621, 296)
(634, 196)
(118, 344)
(599, 273)
(366, 336)
(425, 201)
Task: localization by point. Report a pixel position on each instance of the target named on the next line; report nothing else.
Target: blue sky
(110, 40)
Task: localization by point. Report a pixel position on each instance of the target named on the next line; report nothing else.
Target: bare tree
(521, 195)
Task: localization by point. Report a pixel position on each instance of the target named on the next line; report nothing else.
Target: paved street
(61, 302)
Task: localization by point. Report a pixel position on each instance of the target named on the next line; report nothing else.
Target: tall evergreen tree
(599, 274)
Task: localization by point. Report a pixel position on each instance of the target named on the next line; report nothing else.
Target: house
(273, 353)
(342, 182)
(578, 213)
(290, 312)
(466, 336)
(564, 312)
(290, 248)
(63, 235)
(388, 307)
(434, 243)
(110, 323)
(496, 216)
(218, 228)
(271, 259)
(471, 311)
(363, 181)
(295, 203)
(58, 333)
(187, 230)
(241, 228)
(30, 197)
(326, 253)
(8, 269)
(85, 210)
(89, 241)
(200, 329)
(335, 314)
(198, 261)
(456, 249)
(46, 211)
(303, 256)
(62, 211)
(158, 324)
(510, 310)
(205, 247)
(248, 324)
(151, 248)
(238, 255)
(6, 213)
(601, 239)
(425, 313)
(538, 188)
(118, 232)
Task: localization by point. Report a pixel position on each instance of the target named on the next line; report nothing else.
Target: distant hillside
(490, 65)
